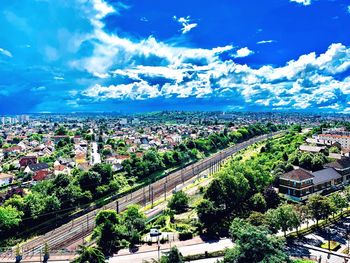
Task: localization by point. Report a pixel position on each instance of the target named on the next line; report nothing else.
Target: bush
(185, 235)
(178, 202)
(205, 255)
(163, 240)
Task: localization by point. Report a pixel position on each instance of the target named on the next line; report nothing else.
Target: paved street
(185, 250)
(96, 158)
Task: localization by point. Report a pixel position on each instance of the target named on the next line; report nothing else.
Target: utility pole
(152, 196)
(165, 191)
(158, 249)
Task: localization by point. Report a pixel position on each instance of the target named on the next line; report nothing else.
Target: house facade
(27, 160)
(6, 179)
(298, 184)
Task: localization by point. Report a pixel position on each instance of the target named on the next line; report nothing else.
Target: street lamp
(329, 239)
(156, 233)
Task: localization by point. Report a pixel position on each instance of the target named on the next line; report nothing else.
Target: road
(95, 156)
(185, 251)
(74, 231)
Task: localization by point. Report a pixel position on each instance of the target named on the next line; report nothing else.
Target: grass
(334, 245)
(345, 251)
(252, 151)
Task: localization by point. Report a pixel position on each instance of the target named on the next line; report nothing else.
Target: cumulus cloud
(137, 91)
(243, 52)
(186, 23)
(5, 53)
(307, 82)
(303, 2)
(113, 68)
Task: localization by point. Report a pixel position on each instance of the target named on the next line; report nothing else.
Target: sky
(150, 55)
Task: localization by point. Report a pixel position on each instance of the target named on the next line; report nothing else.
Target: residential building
(298, 184)
(6, 179)
(27, 160)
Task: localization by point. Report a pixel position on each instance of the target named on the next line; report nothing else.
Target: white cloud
(308, 81)
(186, 23)
(136, 91)
(303, 2)
(243, 52)
(5, 53)
(348, 9)
(265, 41)
(40, 88)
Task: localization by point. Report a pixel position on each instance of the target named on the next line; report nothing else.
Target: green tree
(283, 218)
(105, 216)
(338, 201)
(134, 219)
(173, 256)
(61, 130)
(90, 180)
(257, 203)
(179, 202)
(228, 191)
(89, 255)
(105, 171)
(111, 238)
(9, 217)
(254, 245)
(319, 207)
(271, 197)
(208, 215)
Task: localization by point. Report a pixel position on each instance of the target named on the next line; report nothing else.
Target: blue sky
(133, 56)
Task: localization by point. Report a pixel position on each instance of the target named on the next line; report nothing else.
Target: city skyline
(130, 56)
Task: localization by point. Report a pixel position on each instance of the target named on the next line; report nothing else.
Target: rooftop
(297, 175)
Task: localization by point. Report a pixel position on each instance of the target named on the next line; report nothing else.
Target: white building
(329, 139)
(6, 179)
(123, 121)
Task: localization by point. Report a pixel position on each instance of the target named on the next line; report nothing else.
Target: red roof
(59, 167)
(40, 175)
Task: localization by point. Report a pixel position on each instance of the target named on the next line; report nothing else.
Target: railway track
(79, 228)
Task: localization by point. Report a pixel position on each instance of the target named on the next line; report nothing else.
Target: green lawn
(334, 245)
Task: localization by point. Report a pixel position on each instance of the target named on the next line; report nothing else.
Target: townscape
(179, 131)
(81, 175)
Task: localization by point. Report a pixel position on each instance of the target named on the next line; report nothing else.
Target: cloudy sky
(146, 55)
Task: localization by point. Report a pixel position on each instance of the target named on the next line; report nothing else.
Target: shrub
(185, 235)
(178, 202)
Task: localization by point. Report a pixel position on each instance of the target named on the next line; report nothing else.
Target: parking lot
(337, 232)
(309, 245)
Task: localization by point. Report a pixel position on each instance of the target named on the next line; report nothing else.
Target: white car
(154, 232)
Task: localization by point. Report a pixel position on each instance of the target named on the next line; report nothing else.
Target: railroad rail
(79, 228)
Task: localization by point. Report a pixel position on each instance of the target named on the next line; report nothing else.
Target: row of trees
(153, 161)
(113, 232)
(241, 187)
(288, 217)
(56, 196)
(254, 244)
